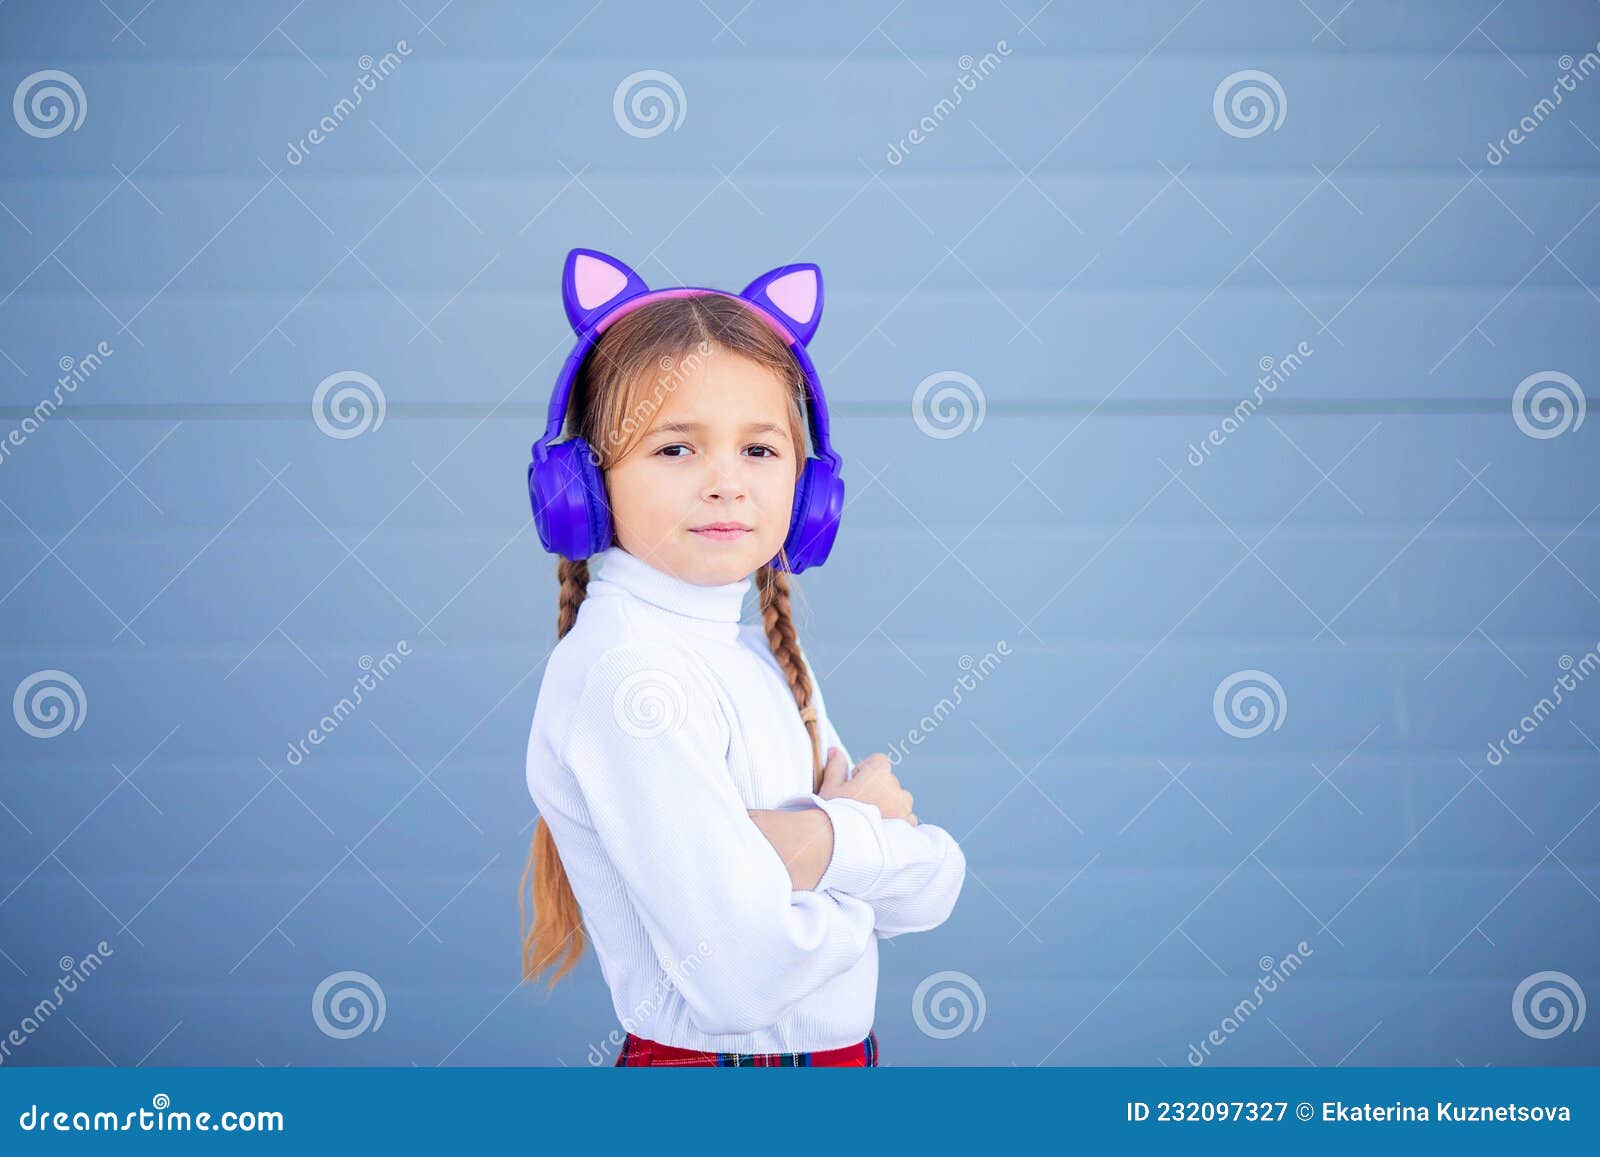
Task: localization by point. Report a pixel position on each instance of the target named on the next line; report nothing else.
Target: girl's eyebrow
(696, 427)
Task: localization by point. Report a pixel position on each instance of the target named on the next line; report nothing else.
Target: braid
(574, 578)
(557, 921)
(785, 644)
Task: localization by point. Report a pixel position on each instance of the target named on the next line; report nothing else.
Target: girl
(734, 879)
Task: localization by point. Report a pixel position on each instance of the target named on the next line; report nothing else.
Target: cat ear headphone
(565, 487)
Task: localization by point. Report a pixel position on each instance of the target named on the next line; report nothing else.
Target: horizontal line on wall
(822, 173)
(525, 411)
(533, 293)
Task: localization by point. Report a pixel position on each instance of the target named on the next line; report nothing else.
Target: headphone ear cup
(814, 522)
(598, 508)
(568, 496)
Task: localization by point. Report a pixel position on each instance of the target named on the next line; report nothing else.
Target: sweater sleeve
(649, 755)
(910, 873)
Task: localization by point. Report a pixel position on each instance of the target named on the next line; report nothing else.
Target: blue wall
(1084, 239)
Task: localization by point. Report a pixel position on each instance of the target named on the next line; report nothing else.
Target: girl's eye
(767, 451)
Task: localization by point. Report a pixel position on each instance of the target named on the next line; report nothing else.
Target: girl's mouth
(722, 531)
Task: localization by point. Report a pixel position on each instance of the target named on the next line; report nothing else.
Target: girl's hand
(872, 782)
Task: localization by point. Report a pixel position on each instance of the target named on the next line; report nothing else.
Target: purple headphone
(564, 483)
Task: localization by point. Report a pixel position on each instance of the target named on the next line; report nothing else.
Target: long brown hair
(611, 411)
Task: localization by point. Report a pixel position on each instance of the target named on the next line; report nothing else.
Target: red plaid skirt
(637, 1051)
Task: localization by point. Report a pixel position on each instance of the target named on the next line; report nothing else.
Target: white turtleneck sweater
(661, 718)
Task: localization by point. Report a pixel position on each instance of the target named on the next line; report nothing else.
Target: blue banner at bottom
(939, 1110)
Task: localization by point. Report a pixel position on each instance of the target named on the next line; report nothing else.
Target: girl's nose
(725, 481)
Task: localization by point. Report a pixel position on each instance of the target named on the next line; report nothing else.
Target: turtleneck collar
(628, 572)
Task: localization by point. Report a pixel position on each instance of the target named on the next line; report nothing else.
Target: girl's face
(707, 493)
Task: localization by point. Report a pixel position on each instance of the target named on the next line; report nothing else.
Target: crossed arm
(803, 840)
(909, 872)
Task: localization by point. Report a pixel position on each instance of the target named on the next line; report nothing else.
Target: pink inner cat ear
(794, 294)
(595, 283)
